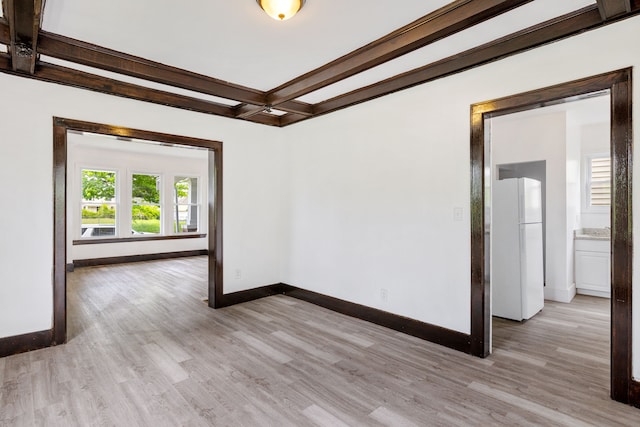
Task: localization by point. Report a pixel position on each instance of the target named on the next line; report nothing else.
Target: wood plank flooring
(145, 350)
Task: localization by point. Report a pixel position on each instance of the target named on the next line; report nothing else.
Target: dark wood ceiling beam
(296, 107)
(91, 55)
(245, 111)
(79, 79)
(24, 18)
(443, 22)
(613, 8)
(80, 52)
(561, 27)
(289, 119)
(265, 119)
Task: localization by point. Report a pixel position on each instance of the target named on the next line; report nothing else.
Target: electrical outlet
(457, 214)
(237, 274)
(384, 294)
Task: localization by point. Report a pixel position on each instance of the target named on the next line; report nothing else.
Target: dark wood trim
(92, 262)
(68, 49)
(59, 327)
(250, 295)
(24, 18)
(564, 26)
(69, 77)
(621, 237)
(437, 25)
(246, 111)
(253, 102)
(613, 8)
(105, 129)
(35, 16)
(446, 337)
(25, 342)
(214, 235)
(216, 288)
(436, 334)
(297, 107)
(91, 55)
(551, 30)
(619, 85)
(635, 394)
(100, 241)
(480, 295)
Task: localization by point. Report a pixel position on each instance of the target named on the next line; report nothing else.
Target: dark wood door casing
(214, 235)
(618, 83)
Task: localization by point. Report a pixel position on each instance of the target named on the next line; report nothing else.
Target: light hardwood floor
(145, 350)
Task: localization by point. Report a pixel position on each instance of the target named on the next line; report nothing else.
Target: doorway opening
(61, 129)
(618, 84)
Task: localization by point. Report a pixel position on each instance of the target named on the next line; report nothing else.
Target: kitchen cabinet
(593, 267)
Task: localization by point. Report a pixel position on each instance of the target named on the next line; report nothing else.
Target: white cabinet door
(593, 273)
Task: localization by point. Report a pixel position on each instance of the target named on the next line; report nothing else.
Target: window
(185, 204)
(598, 181)
(145, 204)
(98, 203)
(155, 209)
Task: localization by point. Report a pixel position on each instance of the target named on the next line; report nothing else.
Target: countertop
(592, 234)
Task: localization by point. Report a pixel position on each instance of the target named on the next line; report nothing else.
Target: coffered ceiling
(229, 58)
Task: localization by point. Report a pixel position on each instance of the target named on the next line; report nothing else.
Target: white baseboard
(592, 293)
(560, 295)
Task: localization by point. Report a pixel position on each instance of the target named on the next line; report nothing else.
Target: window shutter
(600, 181)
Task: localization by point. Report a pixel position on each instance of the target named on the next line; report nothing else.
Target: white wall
(572, 180)
(594, 139)
(373, 187)
(253, 199)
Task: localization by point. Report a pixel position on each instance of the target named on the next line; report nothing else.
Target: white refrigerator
(517, 277)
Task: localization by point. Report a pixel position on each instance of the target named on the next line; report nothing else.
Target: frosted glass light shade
(281, 10)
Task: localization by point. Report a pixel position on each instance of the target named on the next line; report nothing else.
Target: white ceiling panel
(510, 22)
(233, 40)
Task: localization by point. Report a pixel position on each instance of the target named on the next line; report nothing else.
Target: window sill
(94, 241)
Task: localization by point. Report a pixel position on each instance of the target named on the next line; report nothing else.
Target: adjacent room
(318, 212)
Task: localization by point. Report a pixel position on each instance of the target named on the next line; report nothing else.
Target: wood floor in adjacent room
(145, 350)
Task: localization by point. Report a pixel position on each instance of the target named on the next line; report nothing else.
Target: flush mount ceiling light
(281, 10)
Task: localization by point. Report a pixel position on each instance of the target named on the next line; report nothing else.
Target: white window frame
(160, 204)
(197, 204)
(118, 206)
(586, 188)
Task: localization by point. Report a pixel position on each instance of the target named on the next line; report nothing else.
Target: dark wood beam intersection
(24, 18)
(613, 8)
